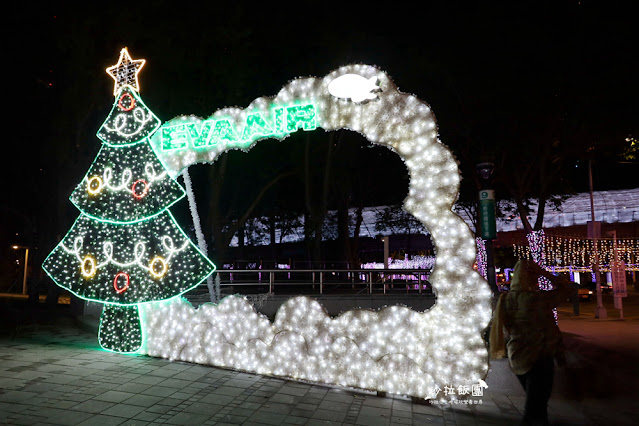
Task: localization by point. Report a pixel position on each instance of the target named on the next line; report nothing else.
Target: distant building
(617, 210)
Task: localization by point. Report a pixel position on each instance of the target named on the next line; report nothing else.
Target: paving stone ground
(54, 373)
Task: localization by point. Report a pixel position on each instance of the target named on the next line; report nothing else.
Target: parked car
(584, 293)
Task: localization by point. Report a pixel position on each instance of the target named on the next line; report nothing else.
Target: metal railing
(336, 281)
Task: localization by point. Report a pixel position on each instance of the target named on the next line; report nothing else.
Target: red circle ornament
(131, 102)
(121, 289)
(144, 191)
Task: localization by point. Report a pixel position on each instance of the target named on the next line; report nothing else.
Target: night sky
(493, 74)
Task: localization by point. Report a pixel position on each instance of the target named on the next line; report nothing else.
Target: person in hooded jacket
(524, 328)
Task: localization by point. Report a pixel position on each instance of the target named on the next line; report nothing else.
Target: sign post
(619, 279)
(487, 214)
(619, 285)
(488, 224)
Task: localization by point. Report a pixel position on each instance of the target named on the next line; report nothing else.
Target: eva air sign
(487, 214)
(192, 133)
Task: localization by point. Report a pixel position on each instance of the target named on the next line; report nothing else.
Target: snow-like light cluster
(395, 350)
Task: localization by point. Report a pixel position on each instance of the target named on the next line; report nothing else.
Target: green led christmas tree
(126, 248)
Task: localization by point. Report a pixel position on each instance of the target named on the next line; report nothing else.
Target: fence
(335, 281)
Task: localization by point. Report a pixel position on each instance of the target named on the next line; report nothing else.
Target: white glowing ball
(354, 87)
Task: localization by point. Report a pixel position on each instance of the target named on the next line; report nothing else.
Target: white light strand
(126, 177)
(201, 239)
(122, 122)
(139, 250)
(125, 180)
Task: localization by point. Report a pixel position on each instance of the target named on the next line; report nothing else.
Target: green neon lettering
(223, 131)
(201, 139)
(300, 116)
(211, 132)
(174, 137)
(278, 113)
(256, 127)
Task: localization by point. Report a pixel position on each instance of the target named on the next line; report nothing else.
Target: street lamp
(487, 222)
(26, 262)
(485, 171)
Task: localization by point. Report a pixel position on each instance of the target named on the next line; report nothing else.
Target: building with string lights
(567, 246)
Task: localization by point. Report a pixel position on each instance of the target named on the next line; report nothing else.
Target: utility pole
(594, 232)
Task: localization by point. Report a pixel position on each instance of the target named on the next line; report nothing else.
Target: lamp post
(26, 263)
(487, 222)
(386, 242)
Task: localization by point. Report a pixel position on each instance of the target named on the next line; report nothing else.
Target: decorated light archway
(396, 349)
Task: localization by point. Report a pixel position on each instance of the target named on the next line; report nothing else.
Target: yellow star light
(125, 72)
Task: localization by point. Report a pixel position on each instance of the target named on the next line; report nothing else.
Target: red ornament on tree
(126, 102)
(121, 289)
(140, 194)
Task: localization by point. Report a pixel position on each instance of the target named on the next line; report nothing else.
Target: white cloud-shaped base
(391, 350)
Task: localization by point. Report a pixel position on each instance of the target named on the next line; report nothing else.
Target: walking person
(525, 329)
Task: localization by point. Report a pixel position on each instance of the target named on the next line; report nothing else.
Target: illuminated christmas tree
(126, 248)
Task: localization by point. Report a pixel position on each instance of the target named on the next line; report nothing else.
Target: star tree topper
(125, 72)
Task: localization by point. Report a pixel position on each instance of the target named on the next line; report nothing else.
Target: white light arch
(395, 350)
